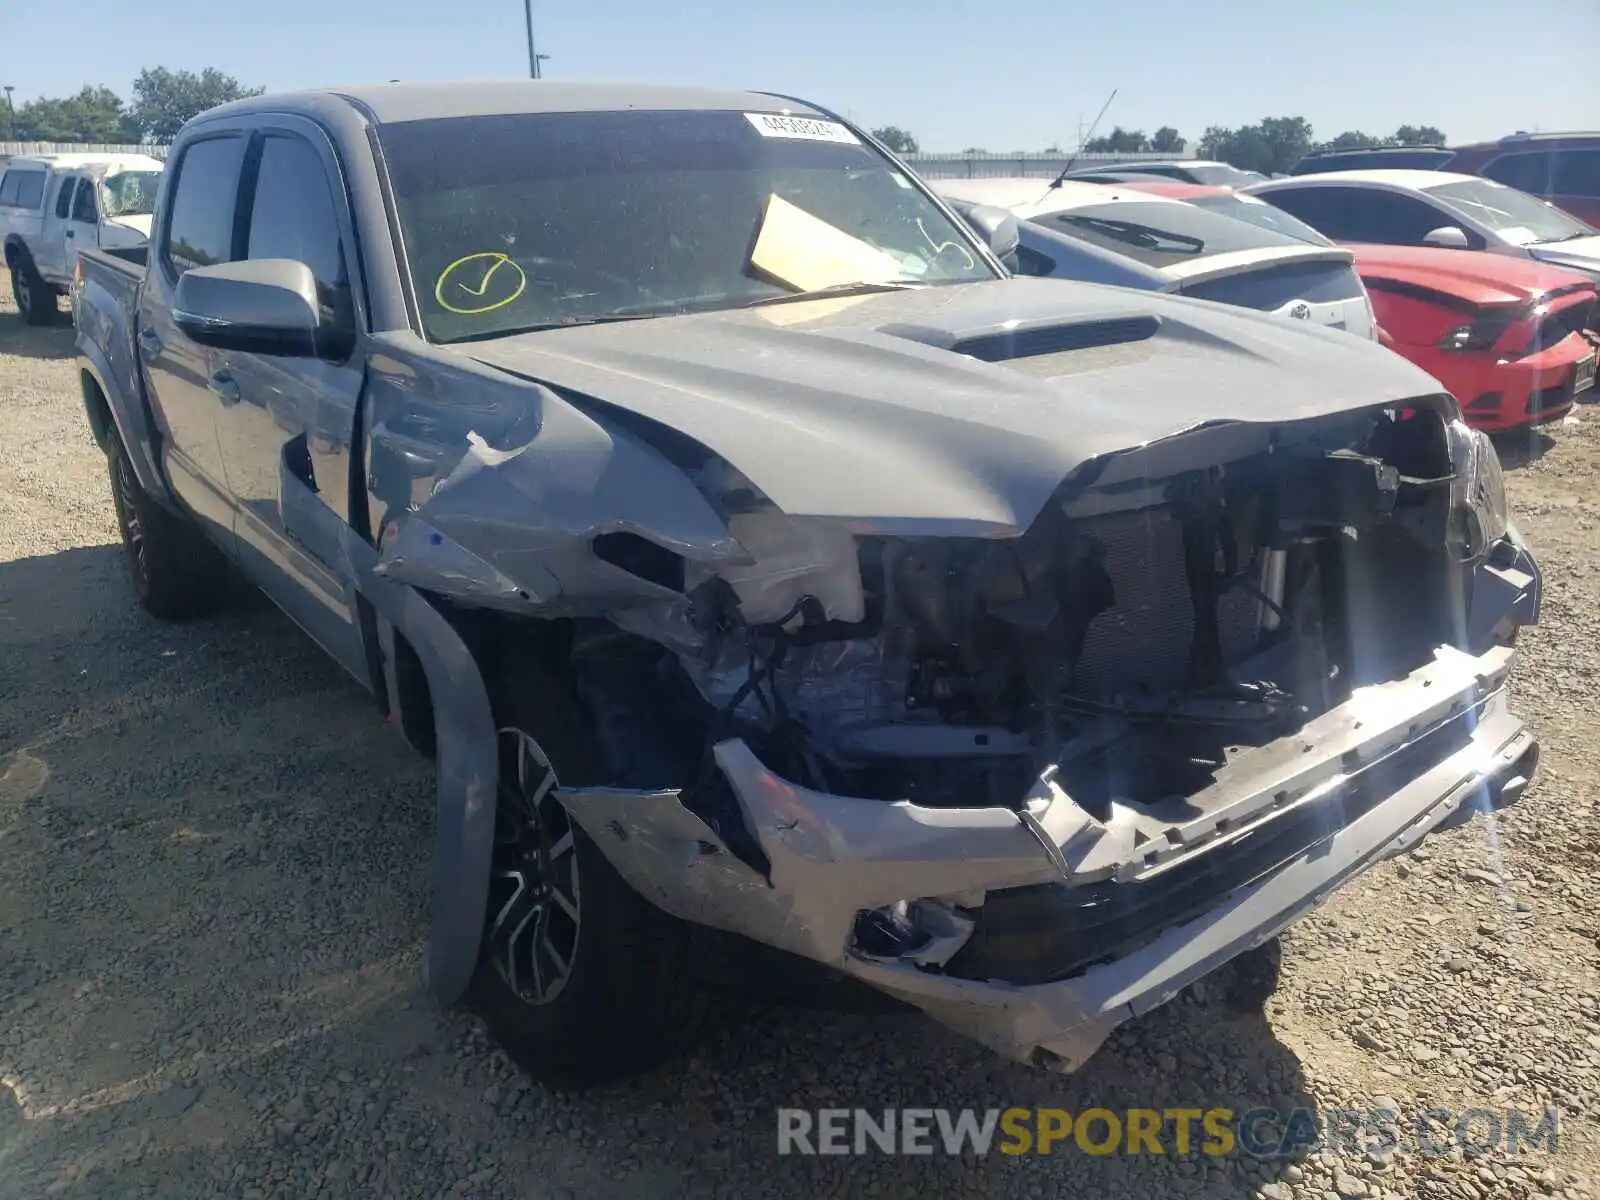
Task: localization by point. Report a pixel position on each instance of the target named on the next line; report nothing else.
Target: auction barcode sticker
(806, 129)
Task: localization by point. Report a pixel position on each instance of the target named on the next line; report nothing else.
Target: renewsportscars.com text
(1257, 1133)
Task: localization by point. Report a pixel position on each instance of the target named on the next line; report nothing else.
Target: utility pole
(534, 57)
(11, 114)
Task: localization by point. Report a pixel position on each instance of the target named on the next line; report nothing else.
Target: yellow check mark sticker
(479, 283)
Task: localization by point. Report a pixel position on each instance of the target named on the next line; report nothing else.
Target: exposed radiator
(1143, 642)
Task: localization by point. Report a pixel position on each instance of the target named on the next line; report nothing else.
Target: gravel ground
(215, 856)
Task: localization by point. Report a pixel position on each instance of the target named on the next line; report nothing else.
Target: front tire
(580, 980)
(175, 571)
(36, 299)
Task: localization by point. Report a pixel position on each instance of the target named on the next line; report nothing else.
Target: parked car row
(1563, 168)
(1490, 290)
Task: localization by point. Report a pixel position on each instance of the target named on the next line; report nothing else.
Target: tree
(1272, 146)
(1353, 139)
(163, 100)
(897, 139)
(1167, 141)
(1118, 141)
(1415, 135)
(95, 114)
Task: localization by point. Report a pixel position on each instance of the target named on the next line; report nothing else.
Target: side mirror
(996, 226)
(261, 306)
(1447, 237)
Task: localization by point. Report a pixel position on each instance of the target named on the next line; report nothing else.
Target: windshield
(1221, 174)
(1516, 216)
(1265, 216)
(1162, 234)
(528, 221)
(129, 193)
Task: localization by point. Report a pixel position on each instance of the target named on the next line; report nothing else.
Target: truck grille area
(1043, 934)
(1142, 642)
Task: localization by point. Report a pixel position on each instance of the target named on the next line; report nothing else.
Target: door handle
(225, 386)
(71, 234)
(149, 342)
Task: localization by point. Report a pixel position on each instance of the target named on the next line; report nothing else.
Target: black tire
(629, 999)
(175, 571)
(36, 299)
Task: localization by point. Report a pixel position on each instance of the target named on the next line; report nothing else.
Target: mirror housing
(995, 225)
(1447, 237)
(259, 306)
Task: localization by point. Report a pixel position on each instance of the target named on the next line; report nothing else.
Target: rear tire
(36, 299)
(175, 571)
(580, 979)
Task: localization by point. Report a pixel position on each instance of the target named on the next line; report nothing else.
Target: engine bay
(1142, 636)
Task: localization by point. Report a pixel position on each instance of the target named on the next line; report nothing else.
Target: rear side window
(83, 203)
(1360, 214)
(1527, 172)
(200, 228)
(1577, 174)
(64, 191)
(22, 188)
(293, 213)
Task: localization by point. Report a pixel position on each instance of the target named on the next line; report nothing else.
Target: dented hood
(885, 409)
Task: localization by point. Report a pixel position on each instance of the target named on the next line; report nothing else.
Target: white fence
(982, 164)
(12, 149)
(976, 164)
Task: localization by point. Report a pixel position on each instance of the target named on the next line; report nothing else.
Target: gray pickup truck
(765, 565)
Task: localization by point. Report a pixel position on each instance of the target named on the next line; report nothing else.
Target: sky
(1002, 76)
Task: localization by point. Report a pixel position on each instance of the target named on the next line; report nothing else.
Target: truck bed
(105, 308)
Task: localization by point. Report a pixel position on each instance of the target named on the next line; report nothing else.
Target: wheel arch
(108, 416)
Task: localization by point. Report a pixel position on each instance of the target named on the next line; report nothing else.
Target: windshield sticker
(805, 129)
(805, 253)
(479, 283)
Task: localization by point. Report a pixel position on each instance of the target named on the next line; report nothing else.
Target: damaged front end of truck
(1032, 781)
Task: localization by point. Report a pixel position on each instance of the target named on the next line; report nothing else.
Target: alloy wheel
(533, 893)
(133, 539)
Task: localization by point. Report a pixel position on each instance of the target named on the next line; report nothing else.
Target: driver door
(285, 425)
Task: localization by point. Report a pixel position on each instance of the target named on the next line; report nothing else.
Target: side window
(1325, 209)
(1528, 172)
(83, 205)
(1391, 219)
(30, 188)
(200, 227)
(1032, 262)
(8, 186)
(1577, 173)
(292, 214)
(64, 190)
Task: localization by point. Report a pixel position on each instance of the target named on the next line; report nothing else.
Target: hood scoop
(1036, 340)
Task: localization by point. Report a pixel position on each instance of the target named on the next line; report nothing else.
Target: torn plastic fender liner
(514, 528)
(467, 771)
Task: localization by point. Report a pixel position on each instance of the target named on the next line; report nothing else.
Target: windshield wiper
(1568, 237)
(1146, 237)
(858, 287)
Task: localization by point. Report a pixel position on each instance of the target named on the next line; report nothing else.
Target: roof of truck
(389, 103)
(75, 161)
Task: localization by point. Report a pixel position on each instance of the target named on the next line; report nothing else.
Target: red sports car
(1512, 339)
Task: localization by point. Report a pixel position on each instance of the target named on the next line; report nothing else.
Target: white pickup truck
(51, 205)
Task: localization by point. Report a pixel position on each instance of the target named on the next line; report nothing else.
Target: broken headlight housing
(1479, 492)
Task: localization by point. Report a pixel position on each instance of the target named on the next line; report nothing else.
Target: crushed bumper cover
(833, 858)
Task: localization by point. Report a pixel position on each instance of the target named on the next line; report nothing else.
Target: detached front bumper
(1366, 780)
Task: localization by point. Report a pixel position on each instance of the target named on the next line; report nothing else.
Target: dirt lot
(215, 855)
